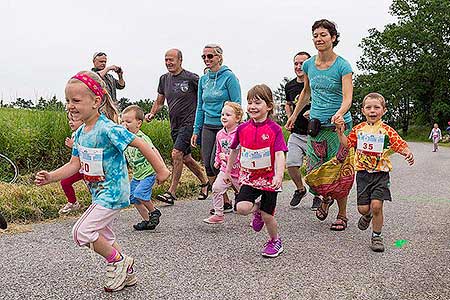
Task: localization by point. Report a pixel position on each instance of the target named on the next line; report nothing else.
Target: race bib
(370, 143)
(91, 164)
(255, 159)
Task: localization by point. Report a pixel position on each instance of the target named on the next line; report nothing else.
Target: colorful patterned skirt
(329, 166)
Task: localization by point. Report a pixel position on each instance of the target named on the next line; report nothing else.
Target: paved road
(187, 259)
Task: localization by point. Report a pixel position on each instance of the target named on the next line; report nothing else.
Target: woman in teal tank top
(328, 83)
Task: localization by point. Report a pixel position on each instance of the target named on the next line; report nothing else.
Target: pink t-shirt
(258, 143)
(223, 143)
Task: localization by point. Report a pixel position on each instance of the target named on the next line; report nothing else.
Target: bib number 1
(255, 159)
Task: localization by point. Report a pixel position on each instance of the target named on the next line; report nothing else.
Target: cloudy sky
(44, 42)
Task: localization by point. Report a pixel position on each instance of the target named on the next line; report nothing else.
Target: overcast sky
(45, 42)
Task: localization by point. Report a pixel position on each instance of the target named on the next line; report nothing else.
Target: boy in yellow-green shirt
(143, 174)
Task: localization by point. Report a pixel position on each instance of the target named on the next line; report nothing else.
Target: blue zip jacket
(214, 88)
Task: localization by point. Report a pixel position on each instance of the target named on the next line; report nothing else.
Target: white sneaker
(131, 279)
(70, 207)
(116, 274)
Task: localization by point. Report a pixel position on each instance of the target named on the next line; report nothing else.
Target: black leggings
(208, 148)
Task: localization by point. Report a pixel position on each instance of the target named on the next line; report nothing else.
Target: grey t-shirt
(181, 94)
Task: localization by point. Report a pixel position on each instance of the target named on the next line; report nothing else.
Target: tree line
(408, 62)
(56, 105)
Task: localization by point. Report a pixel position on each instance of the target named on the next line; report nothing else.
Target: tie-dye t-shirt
(258, 144)
(374, 144)
(104, 168)
(138, 163)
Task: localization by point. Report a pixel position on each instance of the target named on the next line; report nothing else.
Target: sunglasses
(208, 56)
(99, 54)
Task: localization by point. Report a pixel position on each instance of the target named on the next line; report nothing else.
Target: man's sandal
(167, 197)
(340, 224)
(203, 196)
(321, 213)
(364, 221)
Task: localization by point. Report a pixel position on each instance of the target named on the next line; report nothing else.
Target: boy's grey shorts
(297, 150)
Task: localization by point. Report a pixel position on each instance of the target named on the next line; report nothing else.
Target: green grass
(34, 140)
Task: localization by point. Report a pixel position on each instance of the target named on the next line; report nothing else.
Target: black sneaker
(298, 195)
(3, 224)
(316, 203)
(227, 208)
(143, 225)
(154, 217)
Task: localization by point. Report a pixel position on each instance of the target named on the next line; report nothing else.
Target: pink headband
(93, 85)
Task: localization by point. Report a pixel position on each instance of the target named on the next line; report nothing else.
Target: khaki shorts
(297, 150)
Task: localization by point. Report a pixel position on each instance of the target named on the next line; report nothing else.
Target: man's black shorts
(268, 199)
(372, 186)
(182, 139)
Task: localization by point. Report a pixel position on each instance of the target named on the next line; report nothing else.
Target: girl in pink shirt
(231, 117)
(261, 146)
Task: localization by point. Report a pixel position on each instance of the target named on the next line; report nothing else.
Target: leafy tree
(22, 103)
(123, 102)
(55, 104)
(52, 104)
(409, 63)
(279, 97)
(146, 105)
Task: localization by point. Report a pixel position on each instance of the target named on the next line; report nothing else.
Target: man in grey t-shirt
(99, 60)
(179, 87)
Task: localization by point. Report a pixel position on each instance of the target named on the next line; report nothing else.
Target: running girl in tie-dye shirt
(98, 150)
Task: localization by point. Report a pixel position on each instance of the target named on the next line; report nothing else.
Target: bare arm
(340, 128)
(121, 81)
(347, 96)
(409, 156)
(288, 109)
(279, 169)
(70, 168)
(156, 107)
(303, 100)
(103, 72)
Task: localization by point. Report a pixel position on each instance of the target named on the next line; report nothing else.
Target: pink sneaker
(272, 248)
(257, 221)
(214, 219)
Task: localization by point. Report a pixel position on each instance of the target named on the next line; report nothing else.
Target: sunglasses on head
(100, 54)
(208, 56)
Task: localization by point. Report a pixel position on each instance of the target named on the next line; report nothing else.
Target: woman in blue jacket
(218, 85)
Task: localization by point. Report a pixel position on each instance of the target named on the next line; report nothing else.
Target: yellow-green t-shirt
(138, 163)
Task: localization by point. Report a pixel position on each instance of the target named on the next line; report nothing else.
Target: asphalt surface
(185, 258)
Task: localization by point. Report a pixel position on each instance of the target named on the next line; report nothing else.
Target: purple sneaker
(257, 221)
(272, 248)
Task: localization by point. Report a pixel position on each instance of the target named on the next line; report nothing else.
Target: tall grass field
(34, 140)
